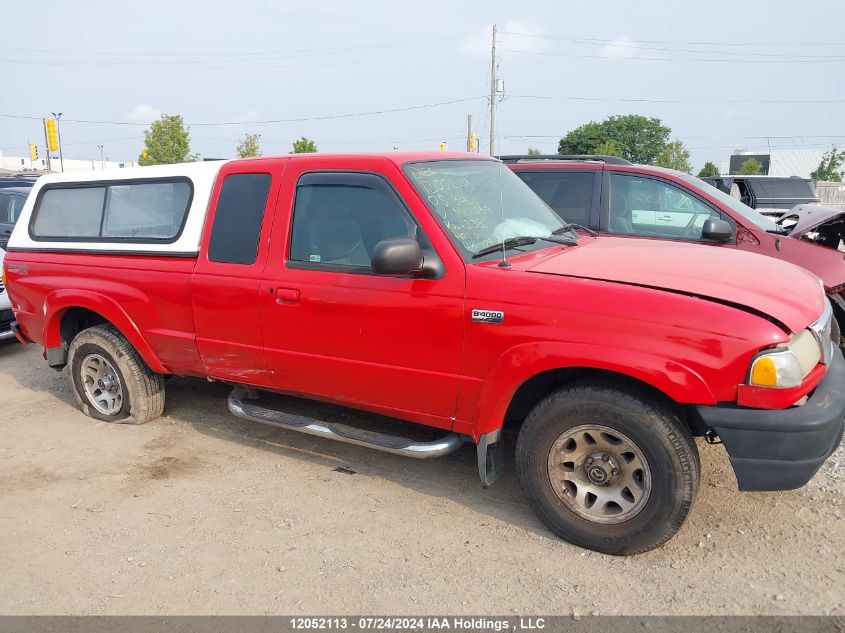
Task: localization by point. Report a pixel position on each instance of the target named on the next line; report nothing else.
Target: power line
(680, 59)
(292, 120)
(631, 45)
(760, 137)
(302, 52)
(244, 64)
(779, 44)
(708, 101)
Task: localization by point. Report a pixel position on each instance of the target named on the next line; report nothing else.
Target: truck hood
(803, 218)
(777, 289)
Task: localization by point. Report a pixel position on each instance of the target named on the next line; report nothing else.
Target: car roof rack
(601, 158)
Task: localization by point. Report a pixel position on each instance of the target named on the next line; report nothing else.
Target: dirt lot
(199, 512)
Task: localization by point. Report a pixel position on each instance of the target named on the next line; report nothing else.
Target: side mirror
(717, 230)
(397, 256)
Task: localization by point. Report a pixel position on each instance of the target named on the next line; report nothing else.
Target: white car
(6, 314)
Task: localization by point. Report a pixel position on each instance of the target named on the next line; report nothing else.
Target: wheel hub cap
(101, 384)
(599, 473)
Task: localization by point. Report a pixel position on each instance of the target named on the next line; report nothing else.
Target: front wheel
(607, 468)
(111, 381)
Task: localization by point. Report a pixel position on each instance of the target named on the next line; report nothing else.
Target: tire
(110, 380)
(836, 332)
(651, 473)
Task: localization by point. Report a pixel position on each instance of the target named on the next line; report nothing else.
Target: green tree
(830, 167)
(674, 156)
(709, 170)
(608, 148)
(751, 167)
(304, 146)
(248, 146)
(166, 141)
(639, 139)
(533, 151)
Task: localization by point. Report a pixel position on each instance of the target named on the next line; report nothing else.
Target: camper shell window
(114, 211)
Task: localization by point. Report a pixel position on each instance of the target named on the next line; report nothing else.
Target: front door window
(654, 208)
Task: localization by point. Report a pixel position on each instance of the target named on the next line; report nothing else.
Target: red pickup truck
(438, 289)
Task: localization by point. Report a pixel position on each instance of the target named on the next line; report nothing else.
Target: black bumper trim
(783, 449)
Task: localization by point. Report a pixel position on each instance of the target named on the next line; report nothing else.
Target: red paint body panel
(225, 296)
(146, 298)
(691, 269)
(406, 346)
(390, 344)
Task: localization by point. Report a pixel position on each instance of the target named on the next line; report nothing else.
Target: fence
(831, 194)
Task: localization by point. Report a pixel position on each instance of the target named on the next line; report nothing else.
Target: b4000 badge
(488, 316)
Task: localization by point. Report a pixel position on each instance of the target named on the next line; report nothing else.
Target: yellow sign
(33, 151)
(443, 147)
(52, 134)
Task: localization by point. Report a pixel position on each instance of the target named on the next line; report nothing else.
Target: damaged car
(612, 196)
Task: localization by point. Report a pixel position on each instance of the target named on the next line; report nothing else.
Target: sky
(373, 76)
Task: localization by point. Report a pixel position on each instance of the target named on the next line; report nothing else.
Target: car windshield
(757, 219)
(481, 202)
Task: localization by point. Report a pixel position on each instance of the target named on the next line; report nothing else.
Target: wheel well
(533, 390)
(74, 320)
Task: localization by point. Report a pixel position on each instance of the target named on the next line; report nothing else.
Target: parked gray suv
(770, 195)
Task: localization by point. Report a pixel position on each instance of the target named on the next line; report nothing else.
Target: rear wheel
(607, 468)
(110, 380)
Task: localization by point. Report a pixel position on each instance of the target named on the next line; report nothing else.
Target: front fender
(522, 362)
(58, 302)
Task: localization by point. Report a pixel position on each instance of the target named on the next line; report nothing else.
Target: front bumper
(783, 449)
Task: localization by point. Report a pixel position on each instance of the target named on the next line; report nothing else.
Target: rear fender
(59, 302)
(522, 362)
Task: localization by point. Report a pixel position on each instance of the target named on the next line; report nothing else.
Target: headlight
(786, 366)
(776, 369)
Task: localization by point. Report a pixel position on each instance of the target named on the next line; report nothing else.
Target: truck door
(224, 288)
(334, 329)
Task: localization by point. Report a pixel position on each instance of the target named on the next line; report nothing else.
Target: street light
(58, 117)
(102, 164)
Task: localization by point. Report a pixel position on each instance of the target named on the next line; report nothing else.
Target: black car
(12, 200)
(770, 195)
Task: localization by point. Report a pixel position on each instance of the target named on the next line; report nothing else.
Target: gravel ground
(199, 512)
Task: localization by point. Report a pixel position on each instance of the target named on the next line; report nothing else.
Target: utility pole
(58, 118)
(469, 133)
(102, 164)
(493, 81)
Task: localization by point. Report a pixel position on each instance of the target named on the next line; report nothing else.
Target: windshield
(757, 219)
(481, 202)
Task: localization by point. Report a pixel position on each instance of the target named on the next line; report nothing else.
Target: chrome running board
(342, 432)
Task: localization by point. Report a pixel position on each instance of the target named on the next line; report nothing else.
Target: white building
(23, 163)
(798, 161)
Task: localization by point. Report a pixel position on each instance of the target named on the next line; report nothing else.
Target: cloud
(620, 47)
(142, 114)
(514, 35)
(248, 116)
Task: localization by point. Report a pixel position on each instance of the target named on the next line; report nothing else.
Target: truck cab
(438, 289)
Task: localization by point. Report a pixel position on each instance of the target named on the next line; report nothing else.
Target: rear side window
(783, 188)
(11, 205)
(143, 211)
(568, 193)
(70, 213)
(238, 219)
